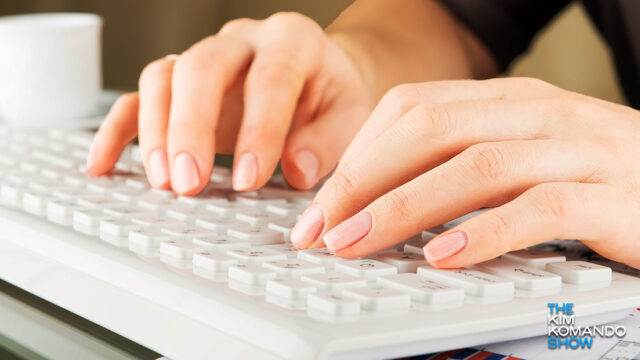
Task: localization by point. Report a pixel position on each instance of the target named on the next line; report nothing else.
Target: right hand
(265, 90)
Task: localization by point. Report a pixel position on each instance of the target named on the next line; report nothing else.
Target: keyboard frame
(178, 314)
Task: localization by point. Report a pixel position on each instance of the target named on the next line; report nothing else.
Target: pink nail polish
(306, 231)
(308, 164)
(184, 176)
(446, 245)
(158, 168)
(349, 232)
(245, 172)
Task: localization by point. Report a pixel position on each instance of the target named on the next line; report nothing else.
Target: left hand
(555, 164)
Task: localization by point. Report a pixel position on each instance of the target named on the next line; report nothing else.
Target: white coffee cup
(50, 67)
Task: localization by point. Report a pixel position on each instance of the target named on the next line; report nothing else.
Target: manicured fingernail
(349, 232)
(308, 164)
(307, 229)
(158, 168)
(185, 175)
(93, 156)
(446, 245)
(245, 172)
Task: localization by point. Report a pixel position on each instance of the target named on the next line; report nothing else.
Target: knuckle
(571, 107)
(404, 94)
(192, 61)
(236, 25)
(398, 202)
(155, 69)
(275, 72)
(487, 161)
(552, 200)
(287, 20)
(344, 183)
(502, 230)
(438, 119)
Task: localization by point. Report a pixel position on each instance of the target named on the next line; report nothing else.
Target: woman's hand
(555, 164)
(264, 90)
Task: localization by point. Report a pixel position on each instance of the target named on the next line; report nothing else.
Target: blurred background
(568, 53)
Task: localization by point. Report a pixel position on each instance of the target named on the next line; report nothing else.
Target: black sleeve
(506, 27)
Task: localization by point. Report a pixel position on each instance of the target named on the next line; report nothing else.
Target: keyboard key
(251, 274)
(293, 268)
(116, 231)
(334, 281)
(423, 290)
(147, 238)
(427, 235)
(287, 210)
(213, 261)
(185, 213)
(415, 246)
(127, 212)
(153, 202)
(256, 217)
(187, 232)
(475, 283)
(287, 248)
(88, 221)
(98, 202)
(365, 268)
(580, 272)
(533, 257)
(202, 200)
(405, 262)
(379, 298)
(36, 202)
(333, 304)
(259, 200)
(257, 255)
(284, 226)
(256, 235)
(179, 249)
(61, 211)
(155, 221)
(293, 290)
(320, 256)
(524, 277)
(228, 209)
(219, 223)
(220, 243)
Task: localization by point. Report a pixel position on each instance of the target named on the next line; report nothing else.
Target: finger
(307, 158)
(422, 138)
(153, 119)
(119, 128)
(404, 97)
(599, 214)
(284, 59)
(200, 78)
(463, 184)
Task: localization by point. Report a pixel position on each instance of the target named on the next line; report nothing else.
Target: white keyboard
(215, 276)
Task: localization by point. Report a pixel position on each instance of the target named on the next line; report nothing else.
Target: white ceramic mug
(50, 67)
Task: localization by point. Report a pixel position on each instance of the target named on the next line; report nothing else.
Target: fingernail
(308, 164)
(185, 173)
(158, 168)
(93, 156)
(445, 246)
(349, 232)
(307, 229)
(245, 172)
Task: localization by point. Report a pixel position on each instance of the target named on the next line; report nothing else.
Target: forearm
(395, 42)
